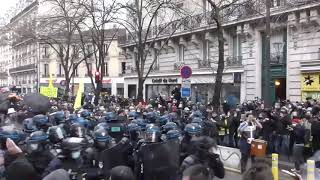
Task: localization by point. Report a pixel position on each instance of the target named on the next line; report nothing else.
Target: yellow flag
(77, 103)
(50, 81)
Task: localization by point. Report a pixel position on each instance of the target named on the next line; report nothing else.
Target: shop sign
(186, 88)
(107, 81)
(165, 80)
(310, 82)
(186, 72)
(313, 95)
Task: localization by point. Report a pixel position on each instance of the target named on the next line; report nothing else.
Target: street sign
(186, 72)
(185, 92)
(186, 88)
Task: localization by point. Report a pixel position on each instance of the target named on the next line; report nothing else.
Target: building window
(75, 69)
(46, 70)
(60, 73)
(45, 52)
(206, 50)
(106, 73)
(89, 47)
(134, 60)
(105, 49)
(157, 59)
(276, 3)
(89, 68)
(123, 67)
(236, 49)
(75, 51)
(181, 53)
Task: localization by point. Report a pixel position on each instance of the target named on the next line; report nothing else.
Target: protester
(136, 135)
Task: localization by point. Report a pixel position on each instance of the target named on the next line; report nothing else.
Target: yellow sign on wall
(49, 91)
(310, 82)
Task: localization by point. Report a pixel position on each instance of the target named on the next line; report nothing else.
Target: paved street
(236, 176)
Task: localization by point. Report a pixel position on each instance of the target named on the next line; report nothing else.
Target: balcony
(178, 65)
(45, 75)
(251, 9)
(234, 61)
(131, 69)
(155, 67)
(3, 75)
(60, 75)
(29, 67)
(204, 64)
(45, 56)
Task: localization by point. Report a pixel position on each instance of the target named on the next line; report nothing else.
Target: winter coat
(19, 168)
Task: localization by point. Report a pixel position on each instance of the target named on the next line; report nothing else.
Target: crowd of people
(161, 139)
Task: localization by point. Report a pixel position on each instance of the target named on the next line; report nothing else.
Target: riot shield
(115, 156)
(160, 160)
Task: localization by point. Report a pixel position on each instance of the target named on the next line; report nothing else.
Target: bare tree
(58, 30)
(99, 14)
(221, 10)
(144, 31)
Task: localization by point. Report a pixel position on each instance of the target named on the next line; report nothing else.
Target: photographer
(202, 155)
(247, 130)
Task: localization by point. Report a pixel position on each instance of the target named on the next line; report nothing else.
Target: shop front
(310, 86)
(202, 87)
(112, 86)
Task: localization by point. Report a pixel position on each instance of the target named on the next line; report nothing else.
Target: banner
(77, 103)
(49, 91)
(310, 82)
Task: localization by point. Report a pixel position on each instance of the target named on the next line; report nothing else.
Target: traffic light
(97, 77)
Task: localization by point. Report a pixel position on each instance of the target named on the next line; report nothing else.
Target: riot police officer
(29, 126)
(38, 151)
(202, 155)
(92, 155)
(41, 121)
(191, 130)
(71, 157)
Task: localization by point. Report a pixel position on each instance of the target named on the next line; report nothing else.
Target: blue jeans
(298, 155)
(276, 143)
(281, 144)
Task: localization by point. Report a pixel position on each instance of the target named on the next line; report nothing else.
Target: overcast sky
(5, 5)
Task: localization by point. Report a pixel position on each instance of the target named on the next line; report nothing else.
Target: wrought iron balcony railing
(178, 65)
(204, 64)
(247, 10)
(277, 59)
(29, 67)
(155, 67)
(234, 61)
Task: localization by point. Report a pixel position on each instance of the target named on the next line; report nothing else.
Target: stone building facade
(294, 53)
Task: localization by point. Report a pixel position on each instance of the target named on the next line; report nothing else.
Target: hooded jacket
(19, 168)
